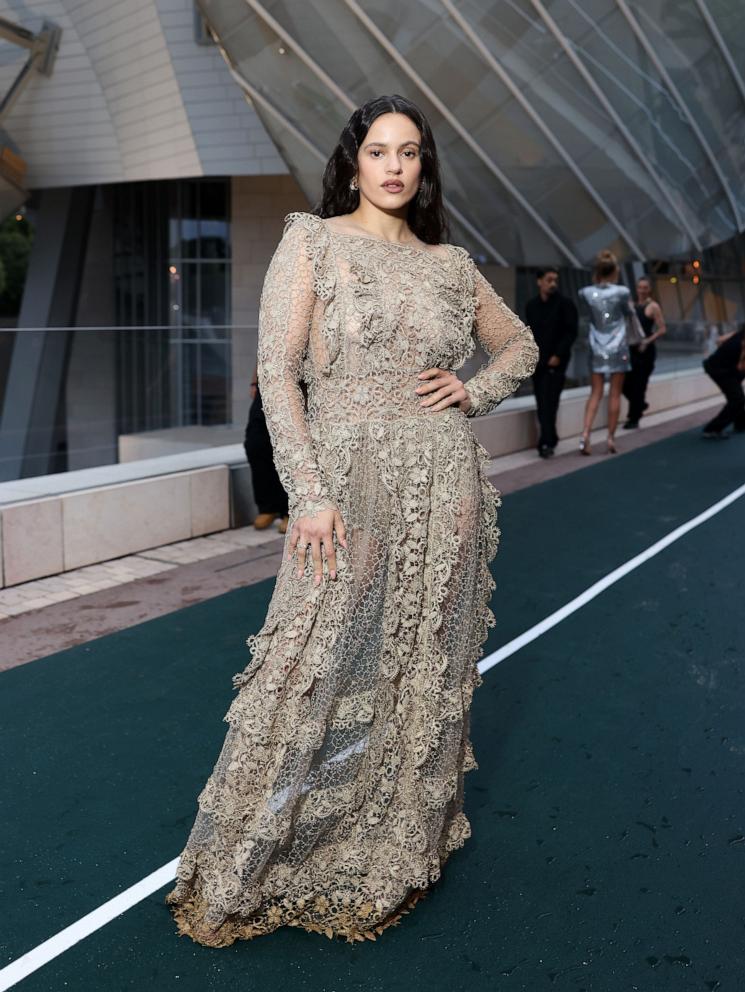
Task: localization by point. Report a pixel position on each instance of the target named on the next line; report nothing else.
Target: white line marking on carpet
(41, 955)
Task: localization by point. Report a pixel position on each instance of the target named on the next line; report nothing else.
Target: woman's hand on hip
(440, 389)
(317, 531)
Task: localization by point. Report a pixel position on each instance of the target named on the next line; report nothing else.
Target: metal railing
(86, 396)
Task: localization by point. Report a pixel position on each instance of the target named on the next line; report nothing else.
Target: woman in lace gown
(338, 793)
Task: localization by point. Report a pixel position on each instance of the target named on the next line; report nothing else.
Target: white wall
(132, 96)
(259, 206)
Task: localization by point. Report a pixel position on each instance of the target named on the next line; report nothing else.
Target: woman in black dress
(643, 355)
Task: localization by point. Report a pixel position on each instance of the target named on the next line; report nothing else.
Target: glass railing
(73, 398)
(79, 397)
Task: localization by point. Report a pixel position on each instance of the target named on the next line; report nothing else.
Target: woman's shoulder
(306, 236)
(459, 251)
(315, 230)
(462, 258)
(304, 232)
(303, 220)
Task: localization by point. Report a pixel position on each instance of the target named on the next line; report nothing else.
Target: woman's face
(388, 162)
(643, 288)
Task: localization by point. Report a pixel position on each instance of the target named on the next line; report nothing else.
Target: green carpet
(608, 814)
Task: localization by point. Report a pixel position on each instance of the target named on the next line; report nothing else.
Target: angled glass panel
(691, 56)
(618, 63)
(652, 175)
(529, 51)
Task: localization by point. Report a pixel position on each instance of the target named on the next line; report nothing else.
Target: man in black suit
(726, 366)
(269, 494)
(553, 320)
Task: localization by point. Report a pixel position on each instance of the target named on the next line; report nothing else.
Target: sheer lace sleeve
(285, 312)
(513, 353)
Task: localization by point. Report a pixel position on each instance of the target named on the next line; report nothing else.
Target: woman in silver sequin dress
(607, 305)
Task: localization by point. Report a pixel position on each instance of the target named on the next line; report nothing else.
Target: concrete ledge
(513, 427)
(32, 545)
(37, 487)
(57, 522)
(46, 536)
(172, 440)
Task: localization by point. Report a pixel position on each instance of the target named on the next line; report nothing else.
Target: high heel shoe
(584, 445)
(612, 449)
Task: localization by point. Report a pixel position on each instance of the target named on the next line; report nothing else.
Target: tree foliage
(16, 239)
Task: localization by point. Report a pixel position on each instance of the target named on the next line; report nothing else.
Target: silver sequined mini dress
(607, 304)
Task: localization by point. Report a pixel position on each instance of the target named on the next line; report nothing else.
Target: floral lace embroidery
(338, 792)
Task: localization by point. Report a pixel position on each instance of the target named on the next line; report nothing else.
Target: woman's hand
(443, 389)
(317, 530)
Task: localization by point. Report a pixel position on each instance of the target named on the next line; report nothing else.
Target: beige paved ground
(47, 615)
(513, 472)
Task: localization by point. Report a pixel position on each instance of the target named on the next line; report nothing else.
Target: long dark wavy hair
(426, 214)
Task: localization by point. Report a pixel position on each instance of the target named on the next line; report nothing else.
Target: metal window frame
(475, 147)
(346, 101)
(720, 43)
(681, 103)
(536, 118)
(42, 48)
(614, 117)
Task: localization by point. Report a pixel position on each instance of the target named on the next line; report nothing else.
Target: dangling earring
(353, 184)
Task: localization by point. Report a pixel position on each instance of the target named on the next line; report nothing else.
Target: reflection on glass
(189, 238)
(213, 239)
(171, 271)
(190, 384)
(214, 285)
(215, 371)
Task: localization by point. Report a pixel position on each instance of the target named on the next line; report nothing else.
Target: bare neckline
(382, 241)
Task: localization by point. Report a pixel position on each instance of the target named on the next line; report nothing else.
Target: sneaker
(630, 425)
(545, 451)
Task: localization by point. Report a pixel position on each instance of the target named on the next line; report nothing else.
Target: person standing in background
(726, 366)
(642, 355)
(552, 318)
(609, 307)
(269, 494)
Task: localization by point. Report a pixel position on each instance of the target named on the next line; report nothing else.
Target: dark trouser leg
(635, 383)
(547, 386)
(733, 412)
(269, 492)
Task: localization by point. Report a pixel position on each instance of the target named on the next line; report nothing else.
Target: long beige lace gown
(338, 793)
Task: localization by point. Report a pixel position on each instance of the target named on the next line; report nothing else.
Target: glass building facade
(563, 127)
(172, 279)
